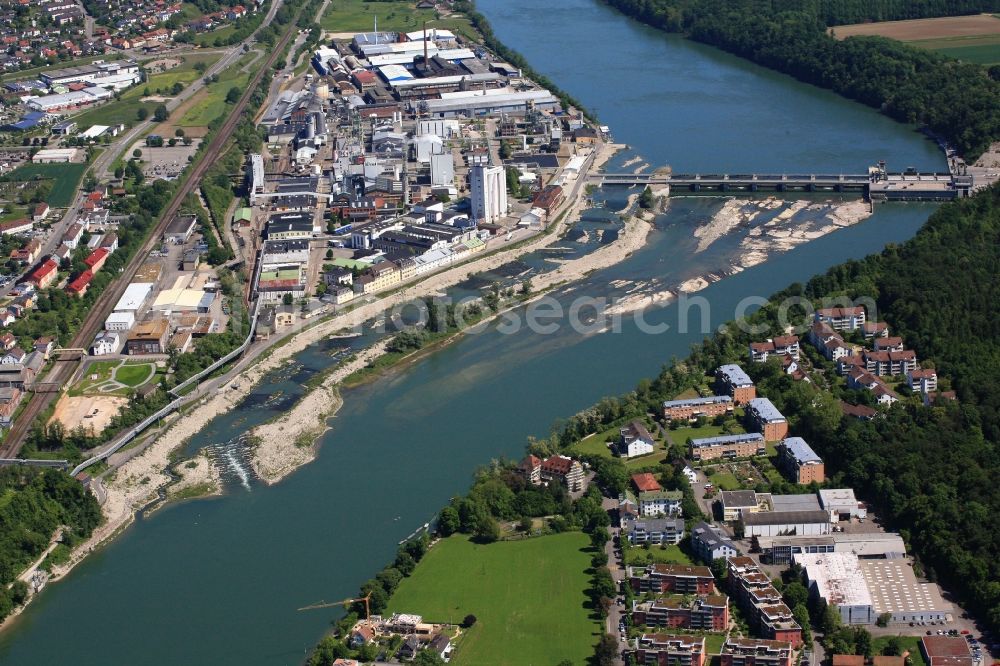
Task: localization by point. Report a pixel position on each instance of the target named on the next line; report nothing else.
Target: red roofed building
(946, 650)
(548, 199)
(364, 79)
(563, 469)
(79, 286)
(531, 469)
(645, 483)
(44, 275)
(96, 259)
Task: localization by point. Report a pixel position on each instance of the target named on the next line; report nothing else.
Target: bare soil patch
(80, 411)
(917, 29)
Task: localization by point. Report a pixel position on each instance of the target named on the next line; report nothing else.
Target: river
(218, 581)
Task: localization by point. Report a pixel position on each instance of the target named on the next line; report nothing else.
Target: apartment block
(678, 578)
(731, 380)
(704, 612)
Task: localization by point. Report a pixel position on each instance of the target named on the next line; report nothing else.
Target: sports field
(65, 179)
(973, 39)
(529, 598)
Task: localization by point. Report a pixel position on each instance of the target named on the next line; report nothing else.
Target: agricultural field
(359, 16)
(65, 179)
(973, 39)
(529, 598)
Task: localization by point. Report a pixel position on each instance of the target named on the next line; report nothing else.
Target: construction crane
(345, 602)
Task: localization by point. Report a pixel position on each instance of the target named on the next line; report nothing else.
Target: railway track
(63, 370)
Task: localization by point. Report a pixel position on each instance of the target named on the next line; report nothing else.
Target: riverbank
(144, 479)
(284, 445)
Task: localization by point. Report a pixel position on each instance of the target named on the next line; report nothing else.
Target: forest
(33, 503)
(958, 102)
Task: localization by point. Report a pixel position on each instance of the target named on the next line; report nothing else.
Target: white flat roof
(133, 298)
(837, 577)
(94, 131)
(895, 588)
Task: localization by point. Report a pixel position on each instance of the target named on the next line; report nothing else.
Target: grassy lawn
(210, 103)
(725, 481)
(185, 73)
(65, 179)
(208, 38)
(596, 444)
(97, 372)
(359, 16)
(135, 375)
(638, 556)
(528, 597)
(132, 375)
(714, 643)
(114, 113)
(911, 643)
(687, 394)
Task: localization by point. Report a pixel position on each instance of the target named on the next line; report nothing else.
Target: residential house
(44, 275)
(762, 604)
(874, 329)
(409, 648)
(731, 380)
(79, 286)
(660, 503)
(565, 470)
(857, 411)
(13, 356)
(656, 531)
(10, 398)
(670, 650)
(755, 652)
(923, 381)
(441, 646)
(768, 421)
(678, 578)
(744, 445)
(41, 212)
(634, 440)
(690, 409)
(7, 341)
(783, 345)
(645, 482)
(71, 238)
(106, 342)
(702, 613)
(44, 345)
(558, 468)
(800, 462)
(842, 319)
(710, 543)
(888, 344)
(28, 253)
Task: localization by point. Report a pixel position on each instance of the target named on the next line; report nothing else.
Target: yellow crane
(345, 602)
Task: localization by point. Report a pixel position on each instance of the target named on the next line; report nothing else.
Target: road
(617, 612)
(63, 369)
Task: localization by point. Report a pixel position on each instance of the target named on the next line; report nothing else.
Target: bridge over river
(876, 185)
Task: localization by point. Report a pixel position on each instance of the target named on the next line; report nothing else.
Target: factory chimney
(425, 43)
